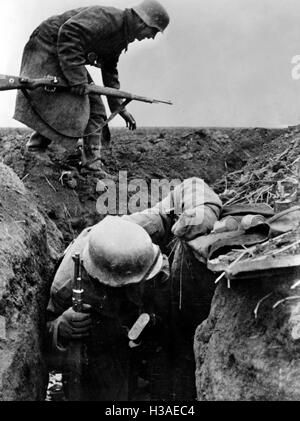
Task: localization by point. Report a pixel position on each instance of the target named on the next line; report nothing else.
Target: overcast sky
(222, 62)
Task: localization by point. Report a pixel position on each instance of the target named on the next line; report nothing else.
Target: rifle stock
(52, 83)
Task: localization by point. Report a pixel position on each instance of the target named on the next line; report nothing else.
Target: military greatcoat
(61, 47)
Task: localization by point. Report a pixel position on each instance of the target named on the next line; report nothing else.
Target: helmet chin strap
(152, 266)
(138, 25)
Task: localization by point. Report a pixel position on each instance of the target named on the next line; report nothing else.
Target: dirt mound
(28, 250)
(248, 348)
(257, 181)
(185, 152)
(46, 176)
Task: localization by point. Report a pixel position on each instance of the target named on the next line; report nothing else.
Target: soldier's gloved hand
(80, 90)
(73, 325)
(130, 121)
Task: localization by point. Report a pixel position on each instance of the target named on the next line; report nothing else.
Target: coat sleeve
(190, 210)
(110, 76)
(76, 37)
(60, 300)
(157, 221)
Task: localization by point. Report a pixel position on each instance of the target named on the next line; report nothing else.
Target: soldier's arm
(190, 209)
(55, 351)
(110, 76)
(157, 221)
(60, 300)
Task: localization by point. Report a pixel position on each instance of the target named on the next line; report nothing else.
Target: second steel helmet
(153, 14)
(119, 252)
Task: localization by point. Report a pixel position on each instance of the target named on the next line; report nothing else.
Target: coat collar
(129, 24)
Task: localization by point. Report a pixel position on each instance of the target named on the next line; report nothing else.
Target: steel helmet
(153, 14)
(119, 252)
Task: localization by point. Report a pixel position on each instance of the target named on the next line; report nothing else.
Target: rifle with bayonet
(53, 84)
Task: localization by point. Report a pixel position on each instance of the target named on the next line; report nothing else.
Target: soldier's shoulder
(105, 11)
(64, 273)
(78, 243)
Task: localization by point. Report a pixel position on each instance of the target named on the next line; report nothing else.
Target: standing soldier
(62, 46)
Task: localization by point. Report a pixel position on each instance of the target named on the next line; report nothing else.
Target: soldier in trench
(125, 275)
(62, 46)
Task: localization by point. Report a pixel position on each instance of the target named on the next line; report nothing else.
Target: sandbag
(248, 209)
(284, 221)
(210, 246)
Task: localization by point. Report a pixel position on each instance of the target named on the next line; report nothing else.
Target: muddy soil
(29, 248)
(248, 347)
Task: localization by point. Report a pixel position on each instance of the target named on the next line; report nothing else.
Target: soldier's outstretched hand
(75, 325)
(130, 121)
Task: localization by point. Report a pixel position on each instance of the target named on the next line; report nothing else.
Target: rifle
(53, 83)
(77, 285)
(76, 349)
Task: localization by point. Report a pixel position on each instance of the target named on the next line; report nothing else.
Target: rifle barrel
(121, 94)
(77, 285)
(76, 259)
(158, 101)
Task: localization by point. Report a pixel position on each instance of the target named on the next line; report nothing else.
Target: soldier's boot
(92, 155)
(37, 143)
(105, 145)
